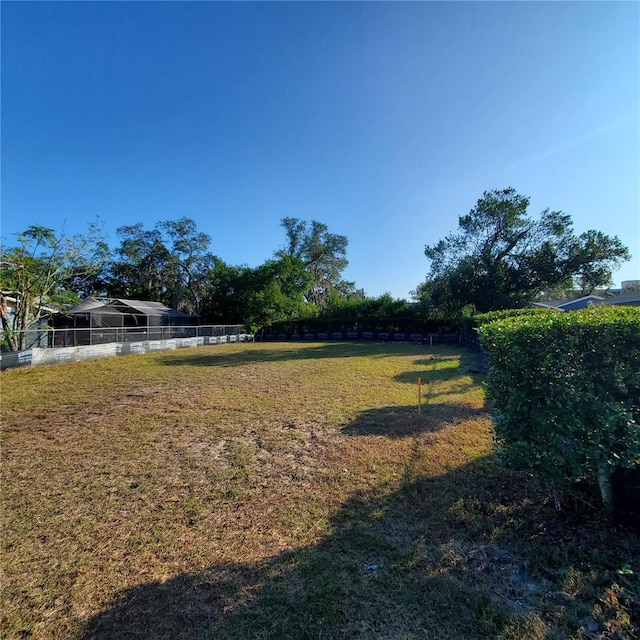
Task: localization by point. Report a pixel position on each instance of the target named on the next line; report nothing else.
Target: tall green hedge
(566, 392)
(502, 314)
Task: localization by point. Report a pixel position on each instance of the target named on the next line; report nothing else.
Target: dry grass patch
(285, 490)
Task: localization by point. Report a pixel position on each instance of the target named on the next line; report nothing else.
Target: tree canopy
(502, 258)
(499, 257)
(257, 297)
(167, 264)
(46, 268)
(323, 254)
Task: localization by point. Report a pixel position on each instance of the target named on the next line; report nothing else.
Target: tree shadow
(438, 368)
(404, 421)
(378, 575)
(217, 356)
(430, 557)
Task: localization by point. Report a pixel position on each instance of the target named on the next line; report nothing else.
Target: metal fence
(54, 338)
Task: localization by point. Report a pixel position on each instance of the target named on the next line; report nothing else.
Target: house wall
(10, 304)
(581, 304)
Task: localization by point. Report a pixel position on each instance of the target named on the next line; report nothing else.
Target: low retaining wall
(37, 355)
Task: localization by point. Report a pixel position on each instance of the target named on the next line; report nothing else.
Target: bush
(491, 316)
(566, 392)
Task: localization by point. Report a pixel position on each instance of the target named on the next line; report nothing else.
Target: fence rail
(54, 338)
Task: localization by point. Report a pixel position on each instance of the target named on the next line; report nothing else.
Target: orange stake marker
(419, 395)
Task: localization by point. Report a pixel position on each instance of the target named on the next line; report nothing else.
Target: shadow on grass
(373, 577)
(402, 422)
(218, 357)
(423, 562)
(445, 367)
(466, 555)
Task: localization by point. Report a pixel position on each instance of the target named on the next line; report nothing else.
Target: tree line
(500, 257)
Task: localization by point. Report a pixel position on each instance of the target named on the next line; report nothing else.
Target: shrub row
(369, 324)
(566, 392)
(491, 316)
(424, 338)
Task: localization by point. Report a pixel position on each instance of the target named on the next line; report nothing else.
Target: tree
(165, 264)
(141, 271)
(323, 255)
(224, 298)
(501, 258)
(190, 260)
(279, 288)
(45, 269)
(382, 313)
(257, 297)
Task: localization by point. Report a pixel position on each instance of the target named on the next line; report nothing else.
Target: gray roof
(561, 304)
(86, 306)
(633, 300)
(146, 308)
(117, 306)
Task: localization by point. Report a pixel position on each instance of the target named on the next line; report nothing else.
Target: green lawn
(287, 491)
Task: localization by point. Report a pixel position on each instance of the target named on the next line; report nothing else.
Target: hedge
(388, 324)
(491, 316)
(566, 392)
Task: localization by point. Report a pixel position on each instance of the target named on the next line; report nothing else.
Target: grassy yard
(287, 491)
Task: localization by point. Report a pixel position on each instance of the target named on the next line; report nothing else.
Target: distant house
(36, 333)
(97, 313)
(628, 301)
(11, 302)
(571, 304)
(9, 308)
(632, 300)
(111, 314)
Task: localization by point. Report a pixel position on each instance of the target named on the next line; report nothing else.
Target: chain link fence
(58, 345)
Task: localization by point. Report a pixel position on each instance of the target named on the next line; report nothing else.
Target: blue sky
(384, 120)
